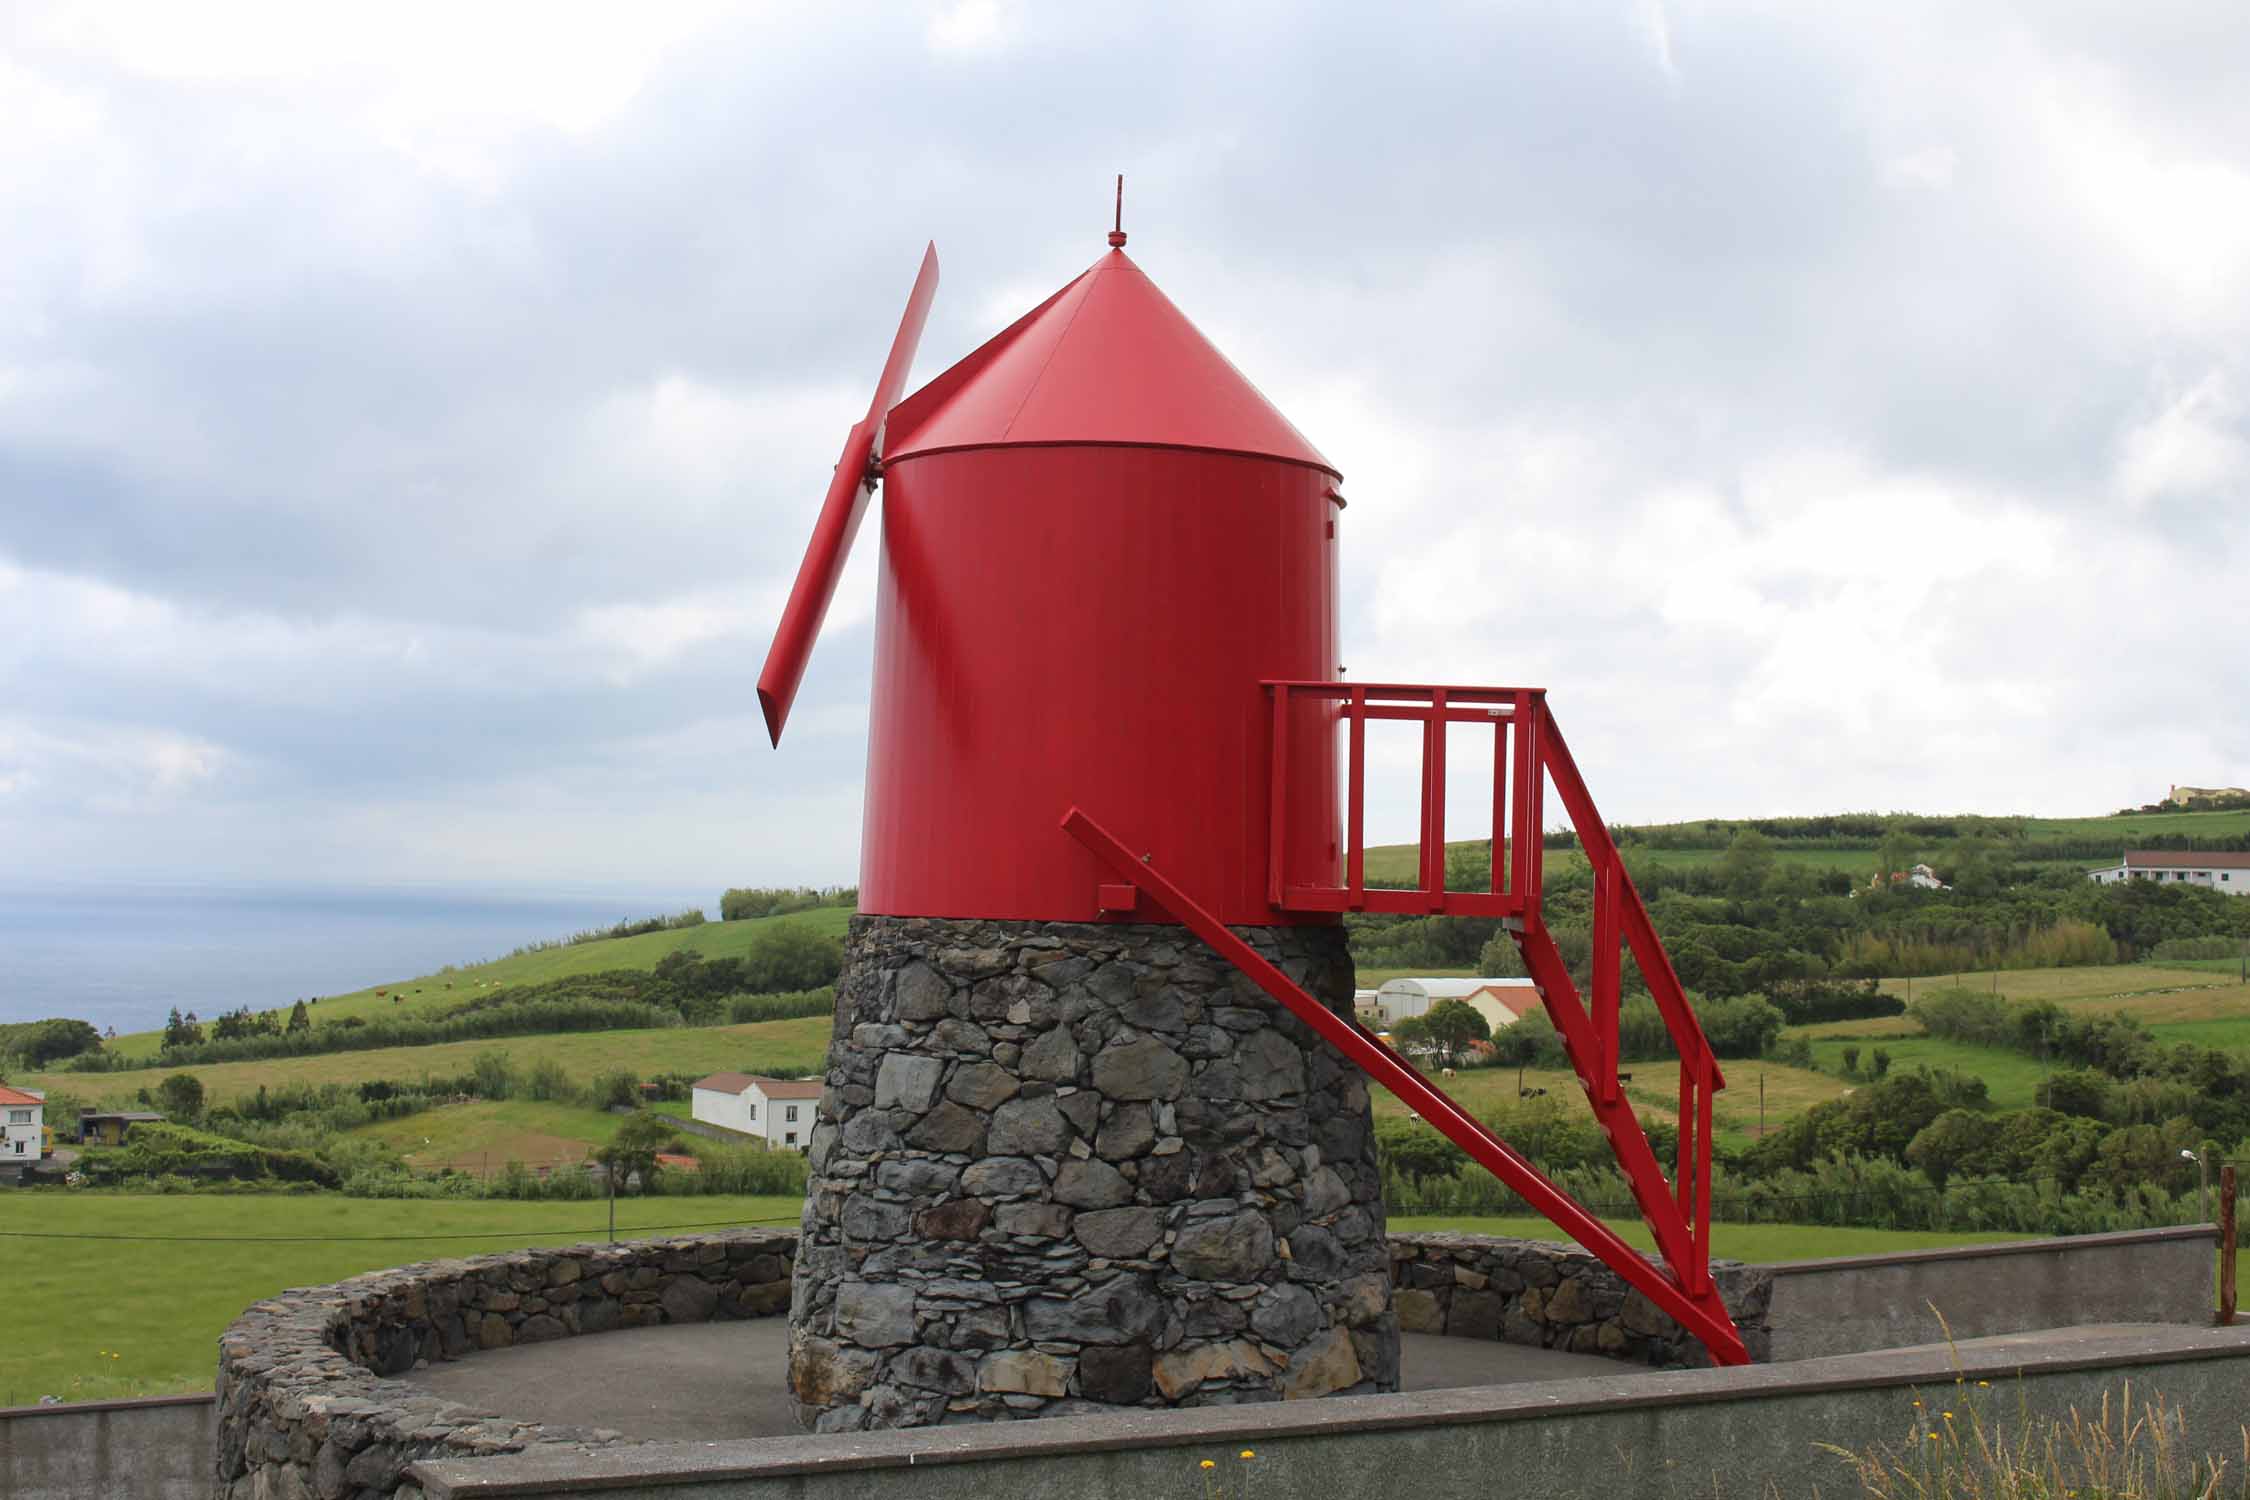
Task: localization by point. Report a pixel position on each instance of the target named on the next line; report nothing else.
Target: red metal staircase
(1528, 752)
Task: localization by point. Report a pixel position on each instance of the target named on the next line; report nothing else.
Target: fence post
(2226, 1244)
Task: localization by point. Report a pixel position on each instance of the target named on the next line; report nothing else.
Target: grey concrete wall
(154, 1449)
(1824, 1307)
(1665, 1435)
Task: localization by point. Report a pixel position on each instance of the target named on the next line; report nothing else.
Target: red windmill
(1107, 689)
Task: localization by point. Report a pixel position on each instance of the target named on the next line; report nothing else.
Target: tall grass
(1966, 1446)
(1900, 951)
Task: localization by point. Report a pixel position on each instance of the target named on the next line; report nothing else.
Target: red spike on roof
(1108, 359)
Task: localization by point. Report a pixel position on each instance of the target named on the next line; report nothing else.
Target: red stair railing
(1527, 753)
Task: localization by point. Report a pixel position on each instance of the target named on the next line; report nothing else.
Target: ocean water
(122, 955)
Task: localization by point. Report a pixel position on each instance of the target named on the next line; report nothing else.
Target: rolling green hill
(2025, 839)
(448, 987)
(787, 1048)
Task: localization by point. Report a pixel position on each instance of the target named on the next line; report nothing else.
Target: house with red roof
(23, 1117)
(779, 1111)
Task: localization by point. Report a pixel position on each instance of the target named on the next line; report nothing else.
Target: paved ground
(723, 1380)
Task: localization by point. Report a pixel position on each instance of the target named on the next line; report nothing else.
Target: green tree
(1412, 1036)
(1501, 958)
(632, 1151)
(789, 956)
(1957, 1141)
(1748, 863)
(1468, 867)
(1894, 853)
(1452, 1025)
(300, 1019)
(180, 1097)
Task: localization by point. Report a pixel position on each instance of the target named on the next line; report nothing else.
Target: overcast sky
(412, 415)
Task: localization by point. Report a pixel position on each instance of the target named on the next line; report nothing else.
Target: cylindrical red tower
(1098, 540)
(1068, 1159)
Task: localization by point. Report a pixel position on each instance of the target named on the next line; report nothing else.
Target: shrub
(789, 956)
(495, 1077)
(616, 1090)
(548, 1081)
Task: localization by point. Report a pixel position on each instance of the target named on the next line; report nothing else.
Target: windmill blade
(840, 514)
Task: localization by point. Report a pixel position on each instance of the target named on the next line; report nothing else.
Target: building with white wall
(2213, 872)
(23, 1115)
(779, 1111)
(1502, 1002)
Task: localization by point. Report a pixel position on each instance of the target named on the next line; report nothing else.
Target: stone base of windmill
(1066, 1168)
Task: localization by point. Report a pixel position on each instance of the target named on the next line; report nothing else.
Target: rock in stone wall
(1067, 1167)
(305, 1410)
(1557, 1297)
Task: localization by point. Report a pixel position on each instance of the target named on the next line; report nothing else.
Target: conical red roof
(1108, 359)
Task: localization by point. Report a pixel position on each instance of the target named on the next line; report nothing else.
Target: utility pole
(1761, 1105)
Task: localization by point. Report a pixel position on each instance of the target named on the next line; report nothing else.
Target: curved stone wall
(1067, 1167)
(1557, 1296)
(305, 1410)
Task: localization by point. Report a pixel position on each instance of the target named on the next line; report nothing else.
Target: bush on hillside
(744, 903)
(161, 1148)
(37, 1044)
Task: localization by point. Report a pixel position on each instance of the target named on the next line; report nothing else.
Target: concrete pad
(708, 1381)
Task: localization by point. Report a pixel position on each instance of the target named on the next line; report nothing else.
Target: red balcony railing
(1528, 753)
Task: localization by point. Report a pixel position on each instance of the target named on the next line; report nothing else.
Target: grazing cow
(1445, 1072)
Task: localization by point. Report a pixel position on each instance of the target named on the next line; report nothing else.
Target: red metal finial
(1117, 234)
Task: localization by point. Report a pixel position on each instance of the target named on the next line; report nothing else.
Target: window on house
(753, 1109)
(19, 1117)
(792, 1117)
(790, 1139)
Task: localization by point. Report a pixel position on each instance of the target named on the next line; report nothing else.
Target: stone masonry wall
(1558, 1296)
(305, 1410)
(1067, 1167)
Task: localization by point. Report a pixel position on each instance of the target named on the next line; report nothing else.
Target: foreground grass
(155, 1279)
(787, 1048)
(431, 994)
(160, 1305)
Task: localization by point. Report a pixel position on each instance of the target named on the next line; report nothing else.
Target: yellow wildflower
(1208, 1464)
(1249, 1453)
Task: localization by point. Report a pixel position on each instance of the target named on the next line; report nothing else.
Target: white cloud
(1930, 167)
(967, 26)
(2193, 449)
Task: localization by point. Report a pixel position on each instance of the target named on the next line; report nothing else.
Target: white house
(779, 1111)
(2213, 872)
(1502, 1002)
(23, 1112)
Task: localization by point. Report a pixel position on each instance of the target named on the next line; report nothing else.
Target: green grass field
(436, 992)
(1654, 1092)
(118, 1295)
(484, 1136)
(2010, 1078)
(158, 1305)
(787, 1048)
